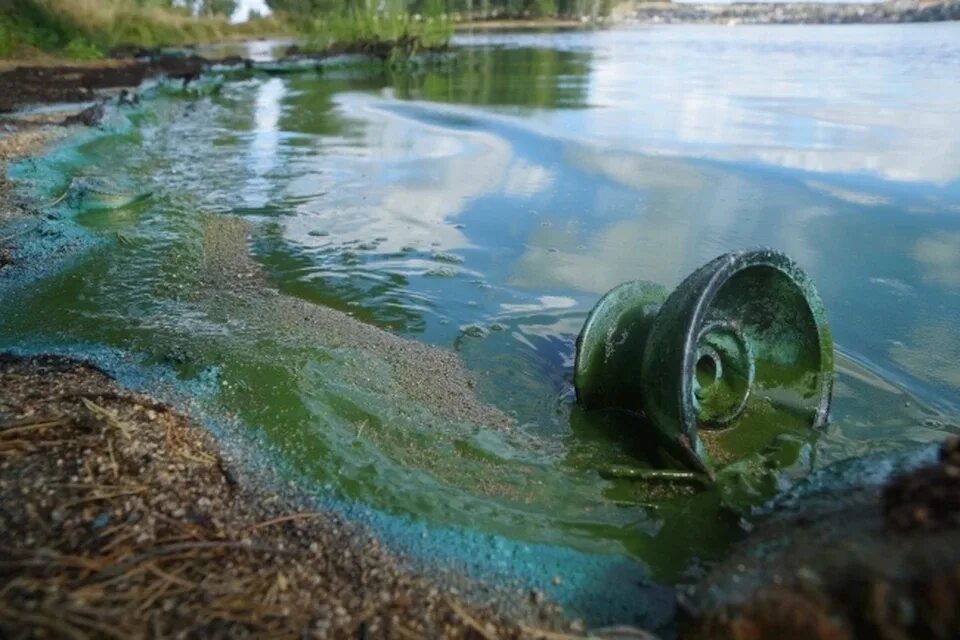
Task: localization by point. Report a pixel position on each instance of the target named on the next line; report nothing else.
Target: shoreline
(122, 498)
(654, 12)
(131, 523)
(812, 13)
(50, 79)
(38, 396)
(102, 445)
(109, 505)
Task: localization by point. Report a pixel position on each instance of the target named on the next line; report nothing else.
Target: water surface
(483, 205)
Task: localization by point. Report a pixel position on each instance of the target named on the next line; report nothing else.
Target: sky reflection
(469, 196)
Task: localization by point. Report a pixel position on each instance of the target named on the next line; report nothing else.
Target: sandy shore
(122, 519)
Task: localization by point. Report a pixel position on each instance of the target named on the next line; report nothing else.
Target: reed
(398, 32)
(92, 28)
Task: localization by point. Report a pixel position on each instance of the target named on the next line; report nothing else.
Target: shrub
(371, 27)
(80, 49)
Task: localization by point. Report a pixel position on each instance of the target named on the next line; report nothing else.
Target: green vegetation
(404, 34)
(456, 10)
(87, 29)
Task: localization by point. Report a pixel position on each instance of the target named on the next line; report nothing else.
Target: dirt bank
(867, 563)
(27, 84)
(121, 519)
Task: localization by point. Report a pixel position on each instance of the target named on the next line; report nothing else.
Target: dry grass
(87, 29)
(112, 23)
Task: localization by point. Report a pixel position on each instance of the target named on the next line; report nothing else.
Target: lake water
(483, 204)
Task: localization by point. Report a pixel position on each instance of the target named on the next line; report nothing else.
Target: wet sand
(429, 375)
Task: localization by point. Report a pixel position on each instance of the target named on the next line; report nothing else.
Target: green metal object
(738, 354)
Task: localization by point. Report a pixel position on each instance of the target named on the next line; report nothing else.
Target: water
(483, 206)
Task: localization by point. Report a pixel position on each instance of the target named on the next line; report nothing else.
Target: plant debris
(122, 520)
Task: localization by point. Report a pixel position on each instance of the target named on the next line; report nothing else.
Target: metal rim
(734, 263)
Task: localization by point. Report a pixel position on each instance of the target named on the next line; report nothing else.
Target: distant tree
(302, 7)
(163, 4)
(487, 8)
(218, 7)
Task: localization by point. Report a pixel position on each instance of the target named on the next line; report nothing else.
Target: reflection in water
(939, 255)
(838, 100)
(528, 77)
(264, 143)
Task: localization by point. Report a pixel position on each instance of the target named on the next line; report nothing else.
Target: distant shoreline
(732, 13)
(898, 11)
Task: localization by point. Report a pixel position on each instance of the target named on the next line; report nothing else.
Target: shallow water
(483, 205)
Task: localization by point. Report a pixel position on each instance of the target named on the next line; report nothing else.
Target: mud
(879, 562)
(42, 84)
(19, 137)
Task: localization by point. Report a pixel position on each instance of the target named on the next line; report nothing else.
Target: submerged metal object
(737, 354)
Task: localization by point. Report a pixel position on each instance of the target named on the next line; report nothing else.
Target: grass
(90, 29)
(86, 29)
(400, 33)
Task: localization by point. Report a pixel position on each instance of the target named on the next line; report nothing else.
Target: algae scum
(482, 206)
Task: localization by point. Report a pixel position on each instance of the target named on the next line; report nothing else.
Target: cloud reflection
(417, 176)
(939, 256)
(818, 99)
(264, 146)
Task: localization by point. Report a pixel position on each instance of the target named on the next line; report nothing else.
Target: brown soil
(929, 498)
(45, 83)
(121, 519)
(876, 565)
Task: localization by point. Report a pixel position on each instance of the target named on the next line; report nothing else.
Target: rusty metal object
(743, 339)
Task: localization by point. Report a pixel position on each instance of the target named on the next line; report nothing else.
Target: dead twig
(128, 398)
(469, 620)
(53, 623)
(10, 429)
(288, 518)
(107, 496)
(156, 552)
(106, 415)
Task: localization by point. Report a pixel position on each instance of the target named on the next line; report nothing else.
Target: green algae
(299, 354)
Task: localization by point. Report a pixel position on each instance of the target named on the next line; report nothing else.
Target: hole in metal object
(708, 370)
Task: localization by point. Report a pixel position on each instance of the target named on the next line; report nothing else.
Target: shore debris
(119, 522)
